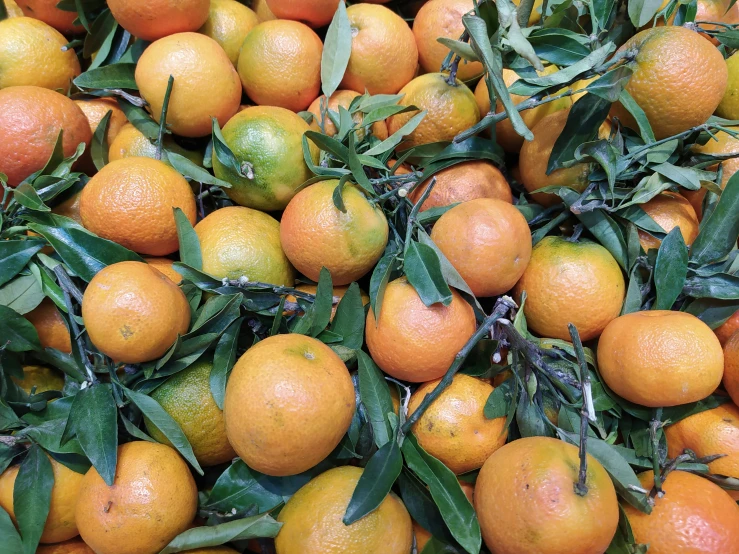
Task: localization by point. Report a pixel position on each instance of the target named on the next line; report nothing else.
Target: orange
(268, 144)
(240, 242)
(312, 520)
(60, 524)
(205, 86)
(130, 142)
(339, 293)
(315, 13)
(526, 500)
(47, 11)
(51, 327)
(165, 266)
(96, 108)
(731, 367)
(341, 98)
(660, 358)
(463, 182)
(694, 515)
(384, 55)
(669, 210)
(727, 328)
(262, 10)
(314, 233)
(285, 430)
(40, 378)
(487, 241)
(724, 143)
(714, 431)
(228, 24)
(729, 105)
(437, 19)
(154, 19)
(74, 546)
(414, 342)
(133, 313)
(422, 536)
(571, 282)
(30, 121)
(679, 79)
(450, 109)
(69, 207)
(153, 500)
(453, 429)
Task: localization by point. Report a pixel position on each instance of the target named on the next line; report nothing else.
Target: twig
(163, 117)
(654, 426)
(587, 411)
(411, 221)
(523, 12)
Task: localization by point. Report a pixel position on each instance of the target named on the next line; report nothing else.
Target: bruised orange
(154, 19)
(51, 327)
(669, 210)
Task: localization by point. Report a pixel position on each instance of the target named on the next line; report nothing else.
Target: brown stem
(580, 487)
(654, 427)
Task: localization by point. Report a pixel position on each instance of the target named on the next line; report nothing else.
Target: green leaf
(317, 317)
(223, 152)
(718, 233)
(14, 255)
(423, 269)
(729, 38)
(10, 537)
(394, 140)
(380, 278)
(18, 335)
(721, 286)
(670, 269)
(242, 489)
(460, 48)
(27, 196)
(645, 129)
(421, 506)
(32, 497)
(610, 84)
(223, 361)
(194, 172)
(349, 319)
(375, 396)
(22, 294)
(99, 146)
(139, 118)
(378, 477)
(357, 168)
(119, 75)
(642, 12)
(499, 401)
(559, 46)
(337, 47)
(451, 275)
(189, 243)
(241, 529)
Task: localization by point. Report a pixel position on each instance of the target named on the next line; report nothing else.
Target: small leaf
(670, 269)
(18, 335)
(27, 196)
(558, 46)
(10, 537)
(139, 117)
(357, 168)
(337, 47)
(349, 319)
(243, 489)
(32, 497)
(499, 401)
(194, 172)
(119, 75)
(394, 140)
(376, 399)
(99, 146)
(22, 294)
(378, 477)
(223, 151)
(645, 129)
(380, 278)
(718, 233)
(189, 243)
(223, 361)
(642, 12)
(241, 529)
(14, 255)
(337, 195)
(421, 506)
(423, 269)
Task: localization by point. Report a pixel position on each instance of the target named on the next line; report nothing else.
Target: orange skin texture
(454, 429)
(131, 143)
(314, 13)
(280, 64)
(205, 84)
(46, 11)
(30, 121)
(96, 108)
(679, 79)
(694, 516)
(566, 282)
(74, 546)
(442, 18)
(50, 326)
(450, 109)
(154, 19)
(41, 377)
(463, 182)
(487, 241)
(60, 524)
(660, 358)
(414, 342)
(525, 500)
(731, 367)
(312, 520)
(289, 401)
(728, 328)
(670, 210)
(724, 143)
(133, 313)
(166, 267)
(314, 233)
(714, 431)
(228, 24)
(384, 55)
(339, 293)
(152, 500)
(341, 98)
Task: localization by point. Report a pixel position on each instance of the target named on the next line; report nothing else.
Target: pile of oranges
(293, 277)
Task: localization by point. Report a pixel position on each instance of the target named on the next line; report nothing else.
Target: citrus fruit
(312, 520)
(186, 396)
(731, 367)
(679, 79)
(51, 327)
(130, 142)
(96, 108)
(284, 430)
(729, 105)
(384, 55)
(694, 515)
(73, 546)
(205, 85)
(262, 10)
(727, 328)
(415, 342)
(450, 109)
(165, 266)
(422, 536)
(153, 500)
(669, 210)
(660, 358)
(131, 201)
(571, 282)
(487, 241)
(133, 313)
(341, 98)
(48, 12)
(314, 233)
(338, 292)
(154, 19)
(240, 242)
(60, 524)
(268, 144)
(723, 143)
(280, 64)
(228, 24)
(526, 500)
(40, 378)
(315, 13)
(453, 429)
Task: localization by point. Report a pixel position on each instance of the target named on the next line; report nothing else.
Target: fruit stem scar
(107, 507)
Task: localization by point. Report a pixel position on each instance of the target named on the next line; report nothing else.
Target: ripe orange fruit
(724, 143)
(240, 242)
(40, 379)
(280, 64)
(727, 328)
(422, 536)
(679, 79)
(50, 325)
(60, 524)
(130, 142)
(450, 109)
(268, 144)
(314, 233)
(453, 429)
(165, 266)
(660, 358)
(339, 293)
(228, 24)
(714, 431)
(312, 520)
(30, 121)
(384, 55)
(96, 108)
(414, 342)
(571, 282)
(463, 182)
(206, 84)
(731, 367)
(487, 241)
(284, 430)
(526, 501)
(73, 546)
(694, 515)
(153, 500)
(315, 13)
(442, 18)
(130, 202)
(729, 105)
(47, 11)
(154, 19)
(669, 210)
(133, 313)
(344, 99)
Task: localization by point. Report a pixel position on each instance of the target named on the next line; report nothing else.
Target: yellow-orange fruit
(315, 13)
(47, 11)
(228, 24)
(72, 546)
(50, 325)
(166, 267)
(154, 19)
(669, 210)
(95, 110)
(727, 328)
